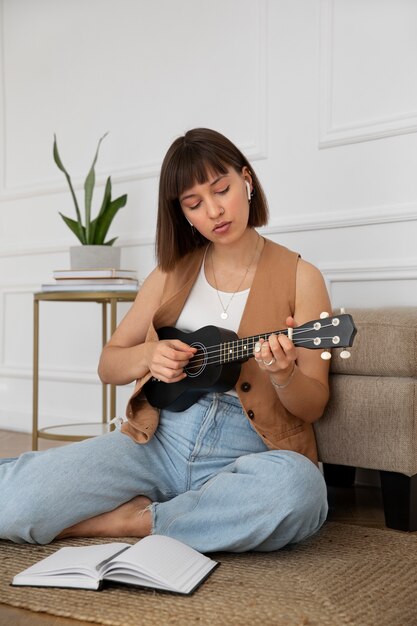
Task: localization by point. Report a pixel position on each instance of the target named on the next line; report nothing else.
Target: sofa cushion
(385, 344)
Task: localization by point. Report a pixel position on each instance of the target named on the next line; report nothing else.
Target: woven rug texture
(345, 575)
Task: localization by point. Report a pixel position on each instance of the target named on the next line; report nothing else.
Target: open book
(156, 561)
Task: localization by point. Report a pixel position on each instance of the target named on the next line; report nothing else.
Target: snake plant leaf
(106, 201)
(60, 165)
(106, 197)
(77, 229)
(103, 221)
(110, 242)
(88, 190)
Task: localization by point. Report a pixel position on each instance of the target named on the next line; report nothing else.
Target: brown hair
(189, 161)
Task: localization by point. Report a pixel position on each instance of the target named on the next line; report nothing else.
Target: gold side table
(75, 432)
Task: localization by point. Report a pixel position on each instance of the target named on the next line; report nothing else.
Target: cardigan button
(245, 386)
(251, 414)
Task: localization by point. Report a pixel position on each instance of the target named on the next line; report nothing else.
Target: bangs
(193, 167)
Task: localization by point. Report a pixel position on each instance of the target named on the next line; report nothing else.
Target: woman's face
(219, 208)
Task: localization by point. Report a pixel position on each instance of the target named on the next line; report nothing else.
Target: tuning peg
(345, 354)
(342, 310)
(325, 355)
(323, 315)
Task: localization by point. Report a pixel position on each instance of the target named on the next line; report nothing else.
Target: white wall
(321, 95)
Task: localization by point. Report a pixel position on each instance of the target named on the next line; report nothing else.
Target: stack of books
(93, 280)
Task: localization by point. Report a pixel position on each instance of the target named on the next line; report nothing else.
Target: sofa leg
(399, 495)
(339, 475)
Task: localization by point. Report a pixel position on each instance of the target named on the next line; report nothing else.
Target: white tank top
(203, 308)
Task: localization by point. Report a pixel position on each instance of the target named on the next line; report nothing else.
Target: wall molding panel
(332, 135)
(44, 248)
(255, 149)
(368, 216)
(351, 284)
(305, 222)
(375, 271)
(79, 376)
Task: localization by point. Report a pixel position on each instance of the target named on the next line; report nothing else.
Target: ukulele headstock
(330, 331)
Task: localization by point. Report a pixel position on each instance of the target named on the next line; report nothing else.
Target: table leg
(113, 323)
(104, 341)
(35, 396)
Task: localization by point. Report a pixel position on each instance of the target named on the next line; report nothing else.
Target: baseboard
(19, 421)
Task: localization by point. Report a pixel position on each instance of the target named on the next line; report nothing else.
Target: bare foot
(128, 520)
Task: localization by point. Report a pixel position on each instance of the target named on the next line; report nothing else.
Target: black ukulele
(216, 364)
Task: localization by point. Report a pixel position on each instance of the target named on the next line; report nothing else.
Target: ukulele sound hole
(199, 361)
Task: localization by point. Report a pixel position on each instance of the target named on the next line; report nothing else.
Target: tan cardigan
(271, 300)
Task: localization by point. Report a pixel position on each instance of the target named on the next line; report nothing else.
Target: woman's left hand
(277, 355)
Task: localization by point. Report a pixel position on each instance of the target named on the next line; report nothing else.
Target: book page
(163, 559)
(82, 560)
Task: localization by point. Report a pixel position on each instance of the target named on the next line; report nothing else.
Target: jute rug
(345, 575)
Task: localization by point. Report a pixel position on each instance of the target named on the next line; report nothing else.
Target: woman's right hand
(167, 359)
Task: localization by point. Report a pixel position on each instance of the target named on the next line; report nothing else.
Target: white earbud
(248, 189)
(190, 223)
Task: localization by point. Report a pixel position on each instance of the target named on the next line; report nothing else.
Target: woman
(236, 470)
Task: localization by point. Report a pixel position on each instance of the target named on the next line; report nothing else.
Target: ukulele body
(204, 372)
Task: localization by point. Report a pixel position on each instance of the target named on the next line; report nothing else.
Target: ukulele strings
(212, 354)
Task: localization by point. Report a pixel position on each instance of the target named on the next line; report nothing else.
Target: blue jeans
(213, 483)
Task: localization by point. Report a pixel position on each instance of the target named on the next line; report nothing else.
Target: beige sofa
(371, 419)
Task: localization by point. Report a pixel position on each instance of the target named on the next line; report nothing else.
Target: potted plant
(94, 251)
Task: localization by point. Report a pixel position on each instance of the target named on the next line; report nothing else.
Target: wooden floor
(357, 505)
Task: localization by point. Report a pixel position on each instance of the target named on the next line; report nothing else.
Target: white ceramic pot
(94, 257)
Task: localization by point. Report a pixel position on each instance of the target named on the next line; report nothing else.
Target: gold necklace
(224, 314)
